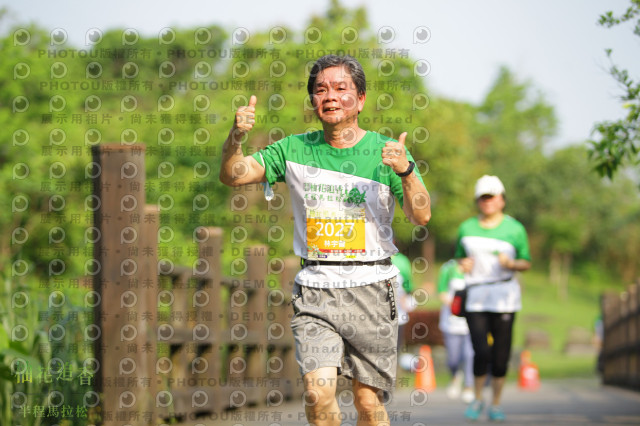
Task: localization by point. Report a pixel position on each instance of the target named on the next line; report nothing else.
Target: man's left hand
(394, 155)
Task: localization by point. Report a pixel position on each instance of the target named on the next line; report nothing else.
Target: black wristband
(412, 166)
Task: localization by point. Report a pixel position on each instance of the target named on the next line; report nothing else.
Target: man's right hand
(245, 119)
(236, 169)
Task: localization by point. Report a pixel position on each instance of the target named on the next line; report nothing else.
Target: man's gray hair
(349, 62)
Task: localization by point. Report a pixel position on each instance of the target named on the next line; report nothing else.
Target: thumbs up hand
(245, 117)
(394, 155)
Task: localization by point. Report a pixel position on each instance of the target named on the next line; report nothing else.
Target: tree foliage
(617, 143)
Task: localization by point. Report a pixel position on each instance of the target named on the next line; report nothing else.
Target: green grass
(553, 365)
(36, 351)
(544, 310)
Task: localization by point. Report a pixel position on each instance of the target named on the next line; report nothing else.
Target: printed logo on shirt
(356, 197)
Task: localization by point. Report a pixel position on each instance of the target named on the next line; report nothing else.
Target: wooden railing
(224, 342)
(620, 356)
(179, 343)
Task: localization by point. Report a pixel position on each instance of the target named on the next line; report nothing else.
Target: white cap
(489, 185)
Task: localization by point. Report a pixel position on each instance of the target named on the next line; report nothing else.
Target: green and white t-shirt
(343, 205)
(484, 245)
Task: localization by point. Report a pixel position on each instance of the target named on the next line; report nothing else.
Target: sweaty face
(335, 98)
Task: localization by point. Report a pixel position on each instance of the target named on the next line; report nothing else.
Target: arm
(444, 277)
(466, 264)
(445, 298)
(521, 262)
(513, 264)
(236, 169)
(417, 203)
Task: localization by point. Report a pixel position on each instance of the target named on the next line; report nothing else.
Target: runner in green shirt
(343, 182)
(491, 248)
(455, 331)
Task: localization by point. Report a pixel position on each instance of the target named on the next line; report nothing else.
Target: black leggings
(500, 326)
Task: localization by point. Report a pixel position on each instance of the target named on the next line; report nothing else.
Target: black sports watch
(412, 166)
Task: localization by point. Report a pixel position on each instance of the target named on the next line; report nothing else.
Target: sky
(556, 45)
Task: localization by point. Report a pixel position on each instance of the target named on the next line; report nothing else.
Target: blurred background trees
(181, 103)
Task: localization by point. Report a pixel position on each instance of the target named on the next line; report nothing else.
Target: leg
(370, 406)
(454, 353)
(478, 385)
(468, 391)
(501, 330)
(468, 361)
(370, 354)
(454, 356)
(496, 386)
(313, 335)
(320, 403)
(478, 329)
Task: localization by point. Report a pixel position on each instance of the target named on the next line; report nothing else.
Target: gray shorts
(354, 329)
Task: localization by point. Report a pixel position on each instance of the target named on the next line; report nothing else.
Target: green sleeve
(459, 253)
(403, 264)
(443, 278)
(522, 244)
(273, 159)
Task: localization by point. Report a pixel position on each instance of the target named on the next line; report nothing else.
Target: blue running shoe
(474, 409)
(496, 414)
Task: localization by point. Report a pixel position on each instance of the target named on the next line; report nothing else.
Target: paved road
(560, 402)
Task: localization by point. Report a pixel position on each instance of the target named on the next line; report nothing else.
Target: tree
(514, 122)
(617, 142)
(565, 211)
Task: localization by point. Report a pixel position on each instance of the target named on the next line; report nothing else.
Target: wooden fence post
(215, 329)
(623, 339)
(256, 322)
(122, 379)
(148, 310)
(636, 321)
(621, 322)
(633, 343)
(291, 382)
(610, 314)
(208, 369)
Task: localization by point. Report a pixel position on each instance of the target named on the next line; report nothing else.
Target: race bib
(335, 234)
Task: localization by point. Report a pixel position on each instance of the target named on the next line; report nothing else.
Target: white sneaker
(468, 395)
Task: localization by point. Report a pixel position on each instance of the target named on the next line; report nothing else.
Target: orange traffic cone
(425, 377)
(529, 377)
